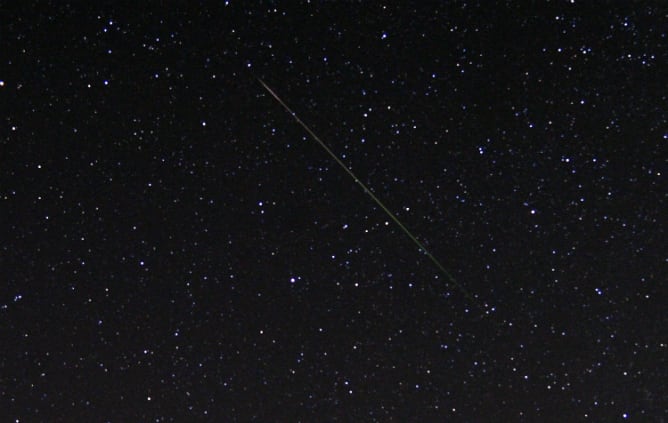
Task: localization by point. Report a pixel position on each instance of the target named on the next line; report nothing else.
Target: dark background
(174, 247)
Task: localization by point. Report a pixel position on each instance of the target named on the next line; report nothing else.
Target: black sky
(175, 247)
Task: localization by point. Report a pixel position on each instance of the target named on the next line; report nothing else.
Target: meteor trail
(392, 216)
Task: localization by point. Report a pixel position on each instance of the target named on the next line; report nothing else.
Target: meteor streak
(387, 211)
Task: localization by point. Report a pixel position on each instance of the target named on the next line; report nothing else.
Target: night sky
(176, 247)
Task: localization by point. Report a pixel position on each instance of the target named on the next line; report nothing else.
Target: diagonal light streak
(387, 211)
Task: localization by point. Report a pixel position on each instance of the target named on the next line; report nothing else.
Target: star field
(175, 247)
